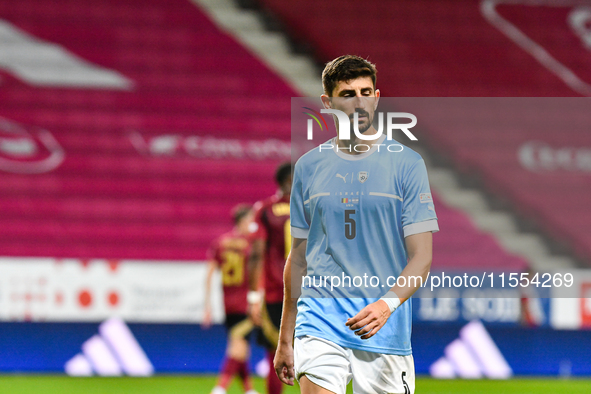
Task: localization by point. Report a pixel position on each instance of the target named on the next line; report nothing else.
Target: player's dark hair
(345, 68)
(283, 172)
(239, 212)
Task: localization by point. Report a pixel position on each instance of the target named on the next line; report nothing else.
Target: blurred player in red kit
(230, 253)
(270, 247)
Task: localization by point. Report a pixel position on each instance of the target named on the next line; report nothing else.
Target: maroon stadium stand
(441, 48)
(138, 178)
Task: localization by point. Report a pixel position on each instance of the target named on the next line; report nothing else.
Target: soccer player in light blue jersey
(362, 219)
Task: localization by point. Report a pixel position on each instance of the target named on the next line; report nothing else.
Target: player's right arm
(295, 269)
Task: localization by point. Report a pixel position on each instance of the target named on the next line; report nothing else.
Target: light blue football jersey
(354, 211)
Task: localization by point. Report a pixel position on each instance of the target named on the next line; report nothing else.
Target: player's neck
(348, 146)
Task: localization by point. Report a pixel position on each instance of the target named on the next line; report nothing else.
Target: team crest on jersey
(363, 175)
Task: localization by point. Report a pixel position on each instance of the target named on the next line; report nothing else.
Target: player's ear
(326, 101)
(375, 104)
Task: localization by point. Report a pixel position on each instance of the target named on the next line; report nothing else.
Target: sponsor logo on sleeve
(425, 198)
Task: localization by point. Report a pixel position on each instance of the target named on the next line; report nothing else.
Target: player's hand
(254, 312)
(283, 364)
(206, 319)
(370, 319)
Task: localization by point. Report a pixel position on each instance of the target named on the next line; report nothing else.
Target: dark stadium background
(129, 129)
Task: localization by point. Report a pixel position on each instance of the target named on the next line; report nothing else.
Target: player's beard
(363, 127)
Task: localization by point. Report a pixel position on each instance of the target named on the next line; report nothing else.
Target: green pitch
(28, 384)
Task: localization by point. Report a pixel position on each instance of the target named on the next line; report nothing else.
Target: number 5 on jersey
(350, 225)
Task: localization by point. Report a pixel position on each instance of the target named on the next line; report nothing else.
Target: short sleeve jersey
(355, 211)
(271, 218)
(231, 252)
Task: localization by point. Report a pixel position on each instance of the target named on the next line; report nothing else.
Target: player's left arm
(255, 265)
(420, 255)
(373, 317)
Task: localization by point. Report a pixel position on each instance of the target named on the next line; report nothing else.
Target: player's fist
(370, 319)
(283, 364)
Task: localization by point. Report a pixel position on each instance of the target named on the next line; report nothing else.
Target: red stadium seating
(113, 197)
(110, 197)
(444, 48)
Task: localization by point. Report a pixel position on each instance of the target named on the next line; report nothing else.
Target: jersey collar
(360, 156)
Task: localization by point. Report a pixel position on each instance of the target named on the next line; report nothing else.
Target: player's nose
(358, 100)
